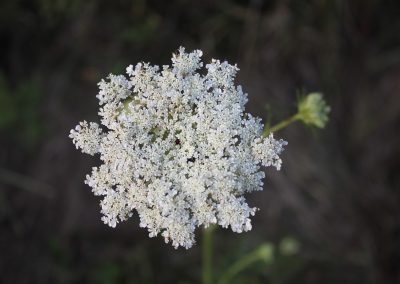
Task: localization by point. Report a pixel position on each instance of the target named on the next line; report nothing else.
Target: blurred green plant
(108, 273)
(19, 111)
(289, 246)
(275, 262)
(53, 9)
(141, 32)
(264, 253)
(8, 107)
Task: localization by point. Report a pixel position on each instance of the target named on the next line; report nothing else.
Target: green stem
(281, 124)
(262, 253)
(207, 252)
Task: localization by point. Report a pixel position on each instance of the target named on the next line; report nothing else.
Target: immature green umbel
(313, 110)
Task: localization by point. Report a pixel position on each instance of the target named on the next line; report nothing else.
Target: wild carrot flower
(177, 147)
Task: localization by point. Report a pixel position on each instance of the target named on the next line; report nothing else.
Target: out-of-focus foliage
(20, 112)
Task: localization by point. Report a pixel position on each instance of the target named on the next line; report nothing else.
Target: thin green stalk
(281, 124)
(207, 252)
(262, 253)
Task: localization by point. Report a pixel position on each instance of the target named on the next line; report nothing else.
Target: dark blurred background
(337, 197)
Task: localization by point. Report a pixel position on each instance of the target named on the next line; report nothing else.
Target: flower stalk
(207, 254)
(262, 253)
(312, 110)
(284, 123)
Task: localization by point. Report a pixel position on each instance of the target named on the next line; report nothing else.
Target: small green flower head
(313, 110)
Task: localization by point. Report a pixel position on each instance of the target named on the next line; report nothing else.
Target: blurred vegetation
(337, 197)
(20, 109)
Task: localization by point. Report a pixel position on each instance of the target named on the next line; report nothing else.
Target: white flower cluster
(177, 147)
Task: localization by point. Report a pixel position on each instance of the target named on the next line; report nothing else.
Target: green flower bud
(313, 110)
(289, 246)
(266, 252)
